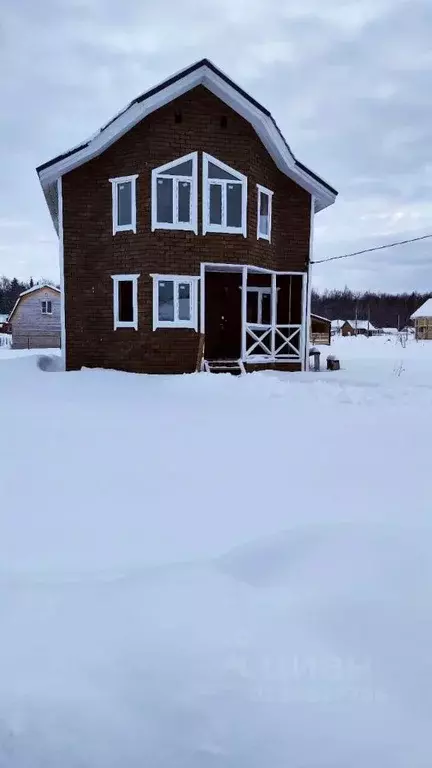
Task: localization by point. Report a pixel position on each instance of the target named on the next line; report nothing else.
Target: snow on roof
(320, 317)
(3, 318)
(362, 325)
(424, 311)
(337, 323)
(390, 330)
(37, 287)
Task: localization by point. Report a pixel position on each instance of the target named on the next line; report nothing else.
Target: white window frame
(176, 323)
(191, 226)
(45, 301)
(207, 227)
(264, 191)
(122, 323)
(114, 189)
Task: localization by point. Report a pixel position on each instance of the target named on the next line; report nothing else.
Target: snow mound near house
(217, 571)
(50, 363)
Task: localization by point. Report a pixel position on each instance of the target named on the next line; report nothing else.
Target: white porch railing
(277, 342)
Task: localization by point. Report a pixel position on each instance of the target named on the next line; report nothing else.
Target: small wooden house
(320, 330)
(423, 321)
(358, 328)
(35, 320)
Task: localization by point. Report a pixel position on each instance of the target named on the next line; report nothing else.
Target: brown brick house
(185, 228)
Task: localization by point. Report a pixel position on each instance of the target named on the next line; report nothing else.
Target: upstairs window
(224, 198)
(46, 307)
(175, 302)
(174, 194)
(264, 214)
(125, 301)
(124, 203)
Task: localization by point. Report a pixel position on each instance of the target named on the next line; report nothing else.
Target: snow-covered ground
(217, 571)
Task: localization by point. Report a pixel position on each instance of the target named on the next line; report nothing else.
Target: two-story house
(185, 228)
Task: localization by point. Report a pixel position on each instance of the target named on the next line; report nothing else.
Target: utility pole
(356, 317)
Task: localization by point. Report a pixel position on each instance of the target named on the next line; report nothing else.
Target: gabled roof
(362, 325)
(336, 324)
(320, 317)
(205, 73)
(424, 311)
(37, 287)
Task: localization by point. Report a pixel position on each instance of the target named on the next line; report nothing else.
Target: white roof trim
(206, 76)
(424, 311)
(39, 287)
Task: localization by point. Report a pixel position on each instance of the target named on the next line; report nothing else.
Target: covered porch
(252, 316)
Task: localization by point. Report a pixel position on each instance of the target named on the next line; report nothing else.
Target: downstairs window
(125, 301)
(175, 302)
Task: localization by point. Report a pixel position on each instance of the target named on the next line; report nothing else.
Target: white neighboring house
(423, 321)
(35, 318)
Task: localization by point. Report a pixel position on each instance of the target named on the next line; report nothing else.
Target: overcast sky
(349, 83)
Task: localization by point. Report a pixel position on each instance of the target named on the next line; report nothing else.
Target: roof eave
(206, 74)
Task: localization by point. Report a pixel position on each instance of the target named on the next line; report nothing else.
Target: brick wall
(92, 254)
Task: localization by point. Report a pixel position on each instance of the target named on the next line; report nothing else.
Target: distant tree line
(10, 289)
(383, 310)
(9, 292)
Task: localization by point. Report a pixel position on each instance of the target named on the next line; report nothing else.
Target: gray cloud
(347, 82)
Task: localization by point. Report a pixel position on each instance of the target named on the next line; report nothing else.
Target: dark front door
(222, 315)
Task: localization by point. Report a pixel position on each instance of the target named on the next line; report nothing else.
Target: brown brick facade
(92, 254)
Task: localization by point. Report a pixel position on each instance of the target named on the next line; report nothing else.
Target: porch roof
(210, 266)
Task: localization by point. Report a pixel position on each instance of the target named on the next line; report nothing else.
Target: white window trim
(207, 227)
(114, 188)
(269, 193)
(191, 226)
(121, 323)
(176, 323)
(45, 301)
(260, 291)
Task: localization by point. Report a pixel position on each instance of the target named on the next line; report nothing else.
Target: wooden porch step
(235, 367)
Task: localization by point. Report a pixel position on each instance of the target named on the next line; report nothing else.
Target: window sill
(213, 228)
(126, 325)
(125, 228)
(168, 324)
(182, 227)
(263, 237)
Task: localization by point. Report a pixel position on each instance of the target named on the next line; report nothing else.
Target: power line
(369, 250)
